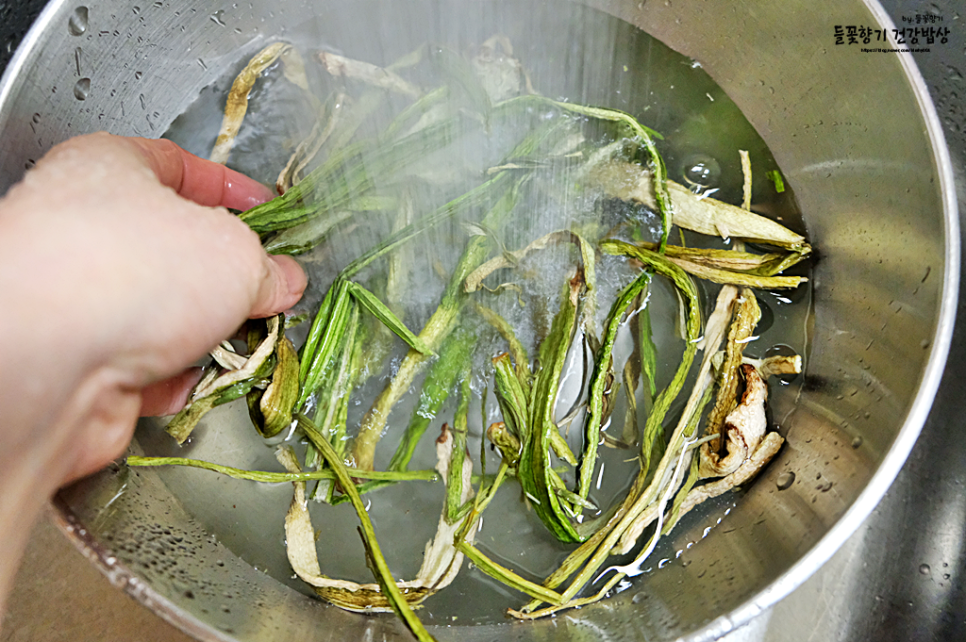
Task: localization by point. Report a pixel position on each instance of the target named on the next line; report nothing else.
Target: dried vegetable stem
(237, 103)
(454, 356)
(705, 215)
(269, 477)
(349, 179)
(534, 469)
(746, 183)
(731, 260)
(380, 569)
(604, 375)
(368, 73)
(727, 277)
(676, 444)
(746, 317)
(439, 326)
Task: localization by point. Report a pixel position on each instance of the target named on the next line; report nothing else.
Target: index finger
(200, 180)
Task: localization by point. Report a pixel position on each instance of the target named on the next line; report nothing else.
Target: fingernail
(295, 279)
(255, 196)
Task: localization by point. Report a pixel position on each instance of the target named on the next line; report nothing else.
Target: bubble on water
(77, 23)
(700, 171)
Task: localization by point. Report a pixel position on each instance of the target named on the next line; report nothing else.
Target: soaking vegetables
(555, 322)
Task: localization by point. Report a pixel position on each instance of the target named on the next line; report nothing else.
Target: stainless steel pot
(854, 133)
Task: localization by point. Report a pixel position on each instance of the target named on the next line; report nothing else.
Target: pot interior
(852, 133)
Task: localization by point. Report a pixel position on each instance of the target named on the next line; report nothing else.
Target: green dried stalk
(332, 404)
(704, 215)
(534, 469)
(345, 175)
(455, 495)
(332, 408)
(530, 432)
(237, 103)
(517, 350)
(726, 277)
(507, 576)
(379, 310)
(746, 317)
(269, 477)
(380, 568)
(329, 330)
(732, 260)
(603, 374)
(454, 356)
(638, 500)
(513, 397)
(301, 238)
(325, 336)
(229, 385)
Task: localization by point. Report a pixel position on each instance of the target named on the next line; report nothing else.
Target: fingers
(212, 184)
(200, 180)
(281, 288)
(170, 395)
(100, 417)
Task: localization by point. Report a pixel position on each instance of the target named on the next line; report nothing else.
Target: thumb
(281, 287)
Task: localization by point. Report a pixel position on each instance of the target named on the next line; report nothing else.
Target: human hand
(119, 271)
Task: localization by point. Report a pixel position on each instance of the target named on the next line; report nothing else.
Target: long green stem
(378, 561)
(443, 374)
(440, 325)
(603, 373)
(269, 477)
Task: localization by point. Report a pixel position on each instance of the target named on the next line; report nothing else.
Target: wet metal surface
(900, 577)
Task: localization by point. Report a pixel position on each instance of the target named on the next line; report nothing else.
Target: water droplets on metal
(785, 480)
(78, 21)
(82, 88)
